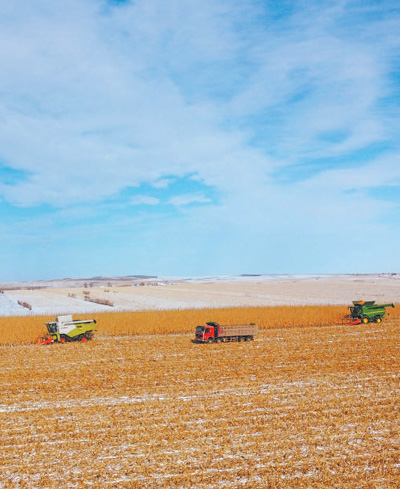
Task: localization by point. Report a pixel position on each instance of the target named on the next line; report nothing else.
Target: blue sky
(189, 138)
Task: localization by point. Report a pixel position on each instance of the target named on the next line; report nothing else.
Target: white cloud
(186, 199)
(100, 100)
(95, 99)
(163, 183)
(144, 200)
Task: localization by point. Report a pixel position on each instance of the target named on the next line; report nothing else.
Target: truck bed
(237, 330)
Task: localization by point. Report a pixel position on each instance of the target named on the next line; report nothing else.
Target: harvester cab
(367, 312)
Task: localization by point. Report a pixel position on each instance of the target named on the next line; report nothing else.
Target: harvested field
(298, 407)
(75, 297)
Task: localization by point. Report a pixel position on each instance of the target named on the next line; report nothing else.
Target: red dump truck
(213, 332)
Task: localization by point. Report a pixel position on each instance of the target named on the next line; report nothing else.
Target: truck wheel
(210, 340)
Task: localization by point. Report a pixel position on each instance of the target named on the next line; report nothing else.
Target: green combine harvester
(65, 329)
(367, 312)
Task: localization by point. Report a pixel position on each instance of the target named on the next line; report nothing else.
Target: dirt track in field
(310, 407)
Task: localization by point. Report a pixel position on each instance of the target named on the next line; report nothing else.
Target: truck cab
(205, 334)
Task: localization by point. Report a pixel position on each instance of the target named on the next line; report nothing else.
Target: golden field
(309, 404)
(27, 329)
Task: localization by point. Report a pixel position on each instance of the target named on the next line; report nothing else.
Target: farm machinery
(367, 312)
(65, 329)
(213, 332)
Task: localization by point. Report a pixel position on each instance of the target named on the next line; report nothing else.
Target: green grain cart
(367, 312)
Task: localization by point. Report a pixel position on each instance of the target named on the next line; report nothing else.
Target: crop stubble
(298, 407)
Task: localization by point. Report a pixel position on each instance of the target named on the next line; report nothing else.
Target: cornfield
(304, 405)
(26, 330)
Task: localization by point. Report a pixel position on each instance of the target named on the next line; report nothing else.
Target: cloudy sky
(198, 137)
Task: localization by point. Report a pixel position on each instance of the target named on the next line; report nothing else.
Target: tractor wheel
(378, 320)
(83, 339)
(365, 320)
(62, 339)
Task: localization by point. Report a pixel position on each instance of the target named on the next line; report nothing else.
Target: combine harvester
(366, 312)
(65, 329)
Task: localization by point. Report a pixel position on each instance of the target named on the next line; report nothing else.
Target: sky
(195, 138)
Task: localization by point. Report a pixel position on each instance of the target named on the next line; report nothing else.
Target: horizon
(200, 278)
(199, 139)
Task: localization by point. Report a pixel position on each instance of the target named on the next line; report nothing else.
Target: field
(27, 329)
(309, 403)
(125, 294)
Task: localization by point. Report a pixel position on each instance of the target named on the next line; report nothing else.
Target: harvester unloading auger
(367, 312)
(65, 329)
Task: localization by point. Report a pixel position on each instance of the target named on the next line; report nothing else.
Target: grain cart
(64, 329)
(367, 312)
(214, 332)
